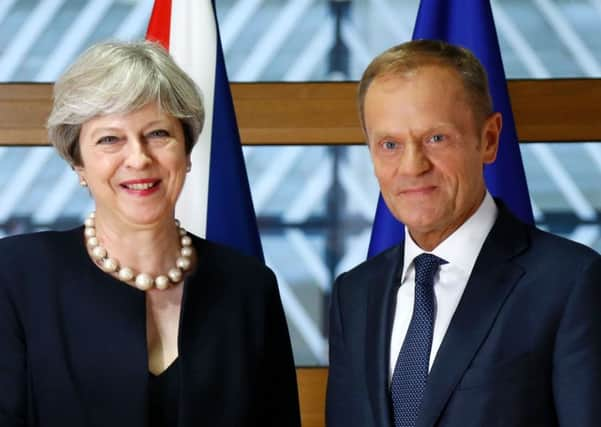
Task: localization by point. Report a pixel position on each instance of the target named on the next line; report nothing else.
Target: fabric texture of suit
(73, 341)
(522, 349)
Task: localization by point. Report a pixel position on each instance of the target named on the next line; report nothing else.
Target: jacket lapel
(492, 280)
(380, 312)
(104, 331)
(204, 355)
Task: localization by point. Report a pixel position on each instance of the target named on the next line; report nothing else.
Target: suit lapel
(492, 280)
(380, 312)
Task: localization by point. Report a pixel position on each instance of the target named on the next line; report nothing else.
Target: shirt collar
(462, 247)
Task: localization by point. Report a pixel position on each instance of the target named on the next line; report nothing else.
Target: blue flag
(469, 23)
(216, 201)
(231, 216)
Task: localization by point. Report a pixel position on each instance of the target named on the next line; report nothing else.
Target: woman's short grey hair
(118, 78)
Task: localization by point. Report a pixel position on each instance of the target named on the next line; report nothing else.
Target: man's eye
(436, 138)
(108, 140)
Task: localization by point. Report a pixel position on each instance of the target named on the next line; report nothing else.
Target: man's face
(428, 150)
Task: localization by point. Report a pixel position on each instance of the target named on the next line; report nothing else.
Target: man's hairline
(408, 72)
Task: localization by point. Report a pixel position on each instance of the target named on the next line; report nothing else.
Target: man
(475, 319)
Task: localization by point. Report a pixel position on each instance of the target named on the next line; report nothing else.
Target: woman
(129, 320)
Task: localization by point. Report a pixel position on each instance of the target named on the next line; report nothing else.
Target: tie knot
(426, 266)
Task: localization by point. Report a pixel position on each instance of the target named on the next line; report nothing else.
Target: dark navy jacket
(523, 348)
(73, 341)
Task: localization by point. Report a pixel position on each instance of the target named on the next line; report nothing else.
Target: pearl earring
(83, 182)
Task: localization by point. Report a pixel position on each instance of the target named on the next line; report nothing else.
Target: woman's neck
(150, 249)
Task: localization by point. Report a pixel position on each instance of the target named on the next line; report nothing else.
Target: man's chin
(415, 216)
(418, 223)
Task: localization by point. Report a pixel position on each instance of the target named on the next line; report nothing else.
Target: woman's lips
(141, 187)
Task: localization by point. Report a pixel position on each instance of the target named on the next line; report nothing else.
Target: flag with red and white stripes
(216, 201)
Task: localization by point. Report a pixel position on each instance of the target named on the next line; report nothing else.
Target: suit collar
(463, 246)
(382, 284)
(493, 278)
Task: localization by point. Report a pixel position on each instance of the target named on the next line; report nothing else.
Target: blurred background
(315, 204)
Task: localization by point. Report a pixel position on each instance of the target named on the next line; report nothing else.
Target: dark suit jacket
(522, 349)
(73, 341)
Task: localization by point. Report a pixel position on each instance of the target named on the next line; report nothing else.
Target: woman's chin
(142, 219)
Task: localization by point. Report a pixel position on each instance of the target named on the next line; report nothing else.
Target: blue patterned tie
(411, 370)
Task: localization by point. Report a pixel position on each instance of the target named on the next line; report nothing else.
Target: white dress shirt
(460, 250)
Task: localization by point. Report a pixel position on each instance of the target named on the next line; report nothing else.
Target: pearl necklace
(142, 281)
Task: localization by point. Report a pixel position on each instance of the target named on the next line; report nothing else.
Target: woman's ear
(79, 170)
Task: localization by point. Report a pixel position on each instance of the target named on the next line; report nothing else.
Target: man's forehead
(433, 69)
(438, 82)
(429, 99)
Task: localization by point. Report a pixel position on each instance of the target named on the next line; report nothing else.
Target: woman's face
(134, 164)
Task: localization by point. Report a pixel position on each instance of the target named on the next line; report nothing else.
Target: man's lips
(421, 190)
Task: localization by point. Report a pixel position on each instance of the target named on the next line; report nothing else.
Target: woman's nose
(138, 156)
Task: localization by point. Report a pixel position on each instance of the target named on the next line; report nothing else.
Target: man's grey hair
(402, 59)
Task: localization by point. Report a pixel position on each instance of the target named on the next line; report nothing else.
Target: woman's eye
(159, 133)
(108, 140)
(390, 145)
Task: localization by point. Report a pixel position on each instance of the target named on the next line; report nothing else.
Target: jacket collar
(493, 278)
(385, 279)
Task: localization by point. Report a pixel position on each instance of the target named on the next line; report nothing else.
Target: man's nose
(414, 161)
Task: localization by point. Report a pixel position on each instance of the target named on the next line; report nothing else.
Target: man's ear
(491, 132)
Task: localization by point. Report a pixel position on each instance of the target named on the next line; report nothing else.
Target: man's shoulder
(531, 242)
(382, 263)
(559, 250)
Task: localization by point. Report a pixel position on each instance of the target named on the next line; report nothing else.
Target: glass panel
(299, 40)
(564, 189)
(315, 206)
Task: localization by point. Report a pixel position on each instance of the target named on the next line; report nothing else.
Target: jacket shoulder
(225, 255)
(560, 253)
(45, 244)
(359, 275)
(232, 265)
(560, 245)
